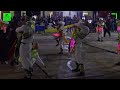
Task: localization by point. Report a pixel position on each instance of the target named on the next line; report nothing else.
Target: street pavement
(100, 62)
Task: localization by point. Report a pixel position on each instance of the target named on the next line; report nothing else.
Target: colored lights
(114, 14)
(7, 17)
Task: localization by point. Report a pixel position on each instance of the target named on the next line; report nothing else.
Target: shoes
(57, 44)
(98, 40)
(31, 69)
(28, 74)
(80, 68)
(60, 53)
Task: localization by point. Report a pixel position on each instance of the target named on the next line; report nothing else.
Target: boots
(80, 68)
(98, 39)
(82, 72)
(31, 69)
(61, 51)
(101, 39)
(28, 74)
(57, 42)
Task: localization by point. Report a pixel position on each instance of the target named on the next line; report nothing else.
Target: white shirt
(24, 28)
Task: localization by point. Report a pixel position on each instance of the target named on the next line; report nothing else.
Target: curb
(100, 48)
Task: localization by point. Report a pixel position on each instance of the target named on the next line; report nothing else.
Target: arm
(20, 29)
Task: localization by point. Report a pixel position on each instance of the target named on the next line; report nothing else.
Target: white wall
(66, 13)
(0, 15)
(12, 13)
(73, 13)
(90, 13)
(41, 13)
(23, 12)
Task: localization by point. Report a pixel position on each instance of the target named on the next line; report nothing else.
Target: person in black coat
(107, 28)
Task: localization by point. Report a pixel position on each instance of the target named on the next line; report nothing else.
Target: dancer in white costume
(26, 46)
(79, 54)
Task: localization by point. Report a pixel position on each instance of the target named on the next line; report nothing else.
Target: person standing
(26, 46)
(107, 28)
(79, 54)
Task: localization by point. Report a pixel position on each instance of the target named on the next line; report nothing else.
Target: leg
(61, 45)
(98, 37)
(79, 58)
(109, 33)
(57, 40)
(104, 32)
(102, 36)
(26, 58)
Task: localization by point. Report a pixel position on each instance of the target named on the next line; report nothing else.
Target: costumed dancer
(78, 56)
(26, 46)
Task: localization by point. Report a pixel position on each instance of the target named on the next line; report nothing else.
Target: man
(79, 53)
(26, 46)
(107, 28)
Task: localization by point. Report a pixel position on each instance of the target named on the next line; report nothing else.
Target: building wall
(41, 13)
(69, 13)
(23, 12)
(0, 15)
(12, 13)
(90, 13)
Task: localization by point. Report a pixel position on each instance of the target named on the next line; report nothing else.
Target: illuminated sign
(85, 14)
(7, 17)
(114, 14)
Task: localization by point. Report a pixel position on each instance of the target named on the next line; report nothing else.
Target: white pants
(100, 35)
(79, 54)
(25, 55)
